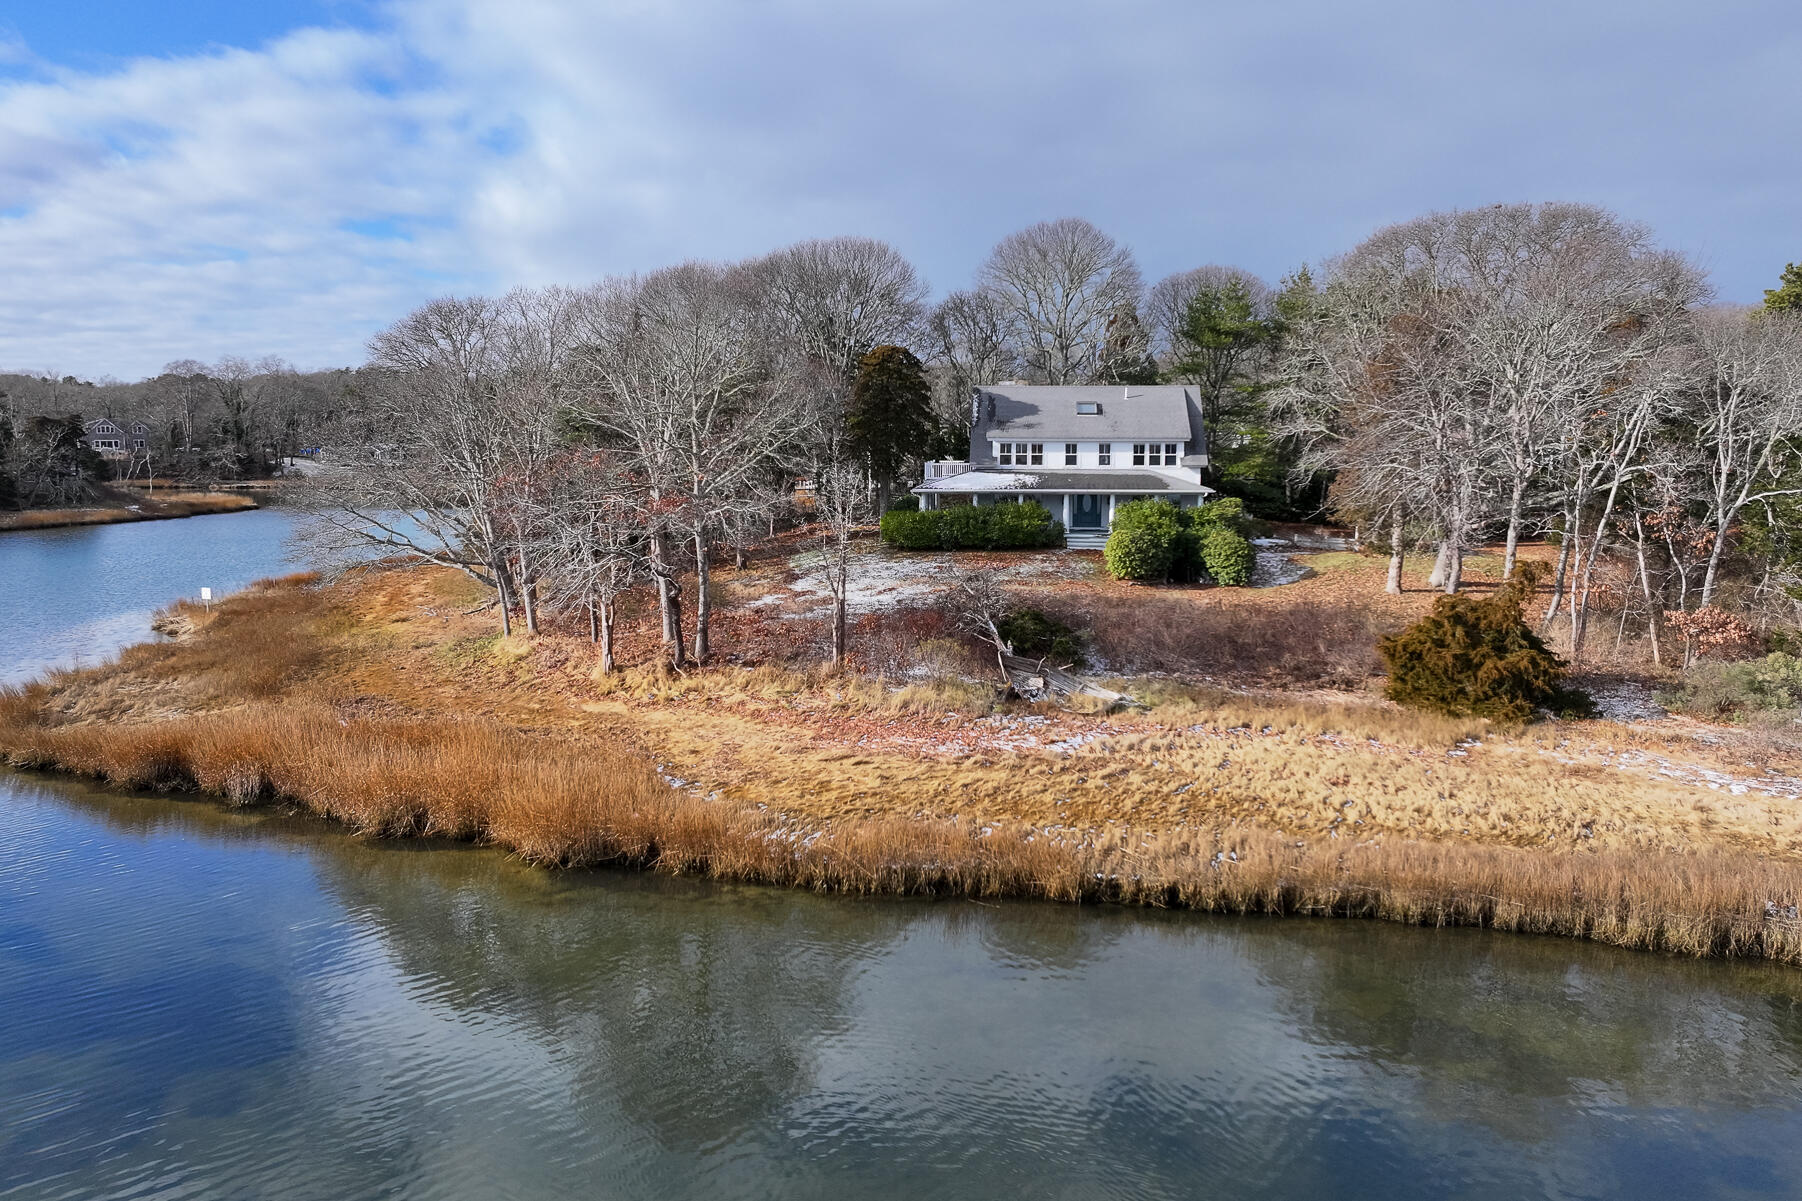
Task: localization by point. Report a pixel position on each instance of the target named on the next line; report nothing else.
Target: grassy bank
(379, 704)
(160, 508)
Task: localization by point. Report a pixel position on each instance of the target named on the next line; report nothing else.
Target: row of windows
(1147, 454)
(1032, 454)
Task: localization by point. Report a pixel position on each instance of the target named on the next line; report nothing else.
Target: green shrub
(1738, 690)
(1226, 555)
(1158, 541)
(1139, 552)
(905, 504)
(1033, 634)
(965, 527)
(914, 530)
(973, 527)
(1023, 526)
(1146, 542)
(1228, 511)
(1472, 657)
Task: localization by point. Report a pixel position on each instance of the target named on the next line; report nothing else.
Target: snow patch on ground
(1273, 566)
(1624, 701)
(882, 580)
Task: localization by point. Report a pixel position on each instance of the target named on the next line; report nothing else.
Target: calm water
(79, 594)
(201, 1004)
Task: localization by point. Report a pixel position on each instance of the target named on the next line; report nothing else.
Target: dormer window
(1088, 408)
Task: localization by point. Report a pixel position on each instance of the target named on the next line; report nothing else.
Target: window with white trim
(1020, 454)
(1138, 454)
(1069, 454)
(1105, 454)
(1169, 454)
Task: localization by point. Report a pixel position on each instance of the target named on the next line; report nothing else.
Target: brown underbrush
(1321, 641)
(400, 719)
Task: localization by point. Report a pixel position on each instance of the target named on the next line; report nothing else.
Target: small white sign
(206, 594)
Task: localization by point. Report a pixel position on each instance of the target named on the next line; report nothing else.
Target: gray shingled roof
(1030, 479)
(1044, 412)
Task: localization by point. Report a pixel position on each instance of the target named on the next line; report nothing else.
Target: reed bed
(175, 504)
(256, 705)
(567, 805)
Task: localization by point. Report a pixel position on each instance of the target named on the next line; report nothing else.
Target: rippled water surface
(198, 1003)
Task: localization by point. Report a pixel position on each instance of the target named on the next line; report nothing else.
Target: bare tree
(1746, 412)
(969, 348)
(842, 505)
(1059, 282)
(426, 461)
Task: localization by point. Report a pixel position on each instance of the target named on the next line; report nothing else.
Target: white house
(1079, 451)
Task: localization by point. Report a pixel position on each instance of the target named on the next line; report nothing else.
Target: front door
(1088, 512)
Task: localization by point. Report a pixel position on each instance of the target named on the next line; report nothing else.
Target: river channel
(202, 1003)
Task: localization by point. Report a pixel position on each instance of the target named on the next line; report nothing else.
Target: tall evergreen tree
(890, 417)
(1787, 296)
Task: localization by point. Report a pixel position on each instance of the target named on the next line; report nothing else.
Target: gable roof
(1049, 412)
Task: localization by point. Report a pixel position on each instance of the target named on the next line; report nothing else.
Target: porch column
(1066, 510)
(1110, 510)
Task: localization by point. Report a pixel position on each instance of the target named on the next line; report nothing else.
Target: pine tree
(1787, 297)
(890, 418)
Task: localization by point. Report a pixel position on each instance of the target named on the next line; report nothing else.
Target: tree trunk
(506, 602)
(1714, 558)
(1394, 584)
(1587, 562)
(884, 489)
(528, 595)
(1653, 608)
(594, 619)
(1441, 561)
(607, 635)
(841, 584)
(1558, 573)
(1454, 569)
(703, 602)
(1516, 502)
(669, 600)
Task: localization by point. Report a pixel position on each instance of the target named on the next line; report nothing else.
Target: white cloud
(293, 198)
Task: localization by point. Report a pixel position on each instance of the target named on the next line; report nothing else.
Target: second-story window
(1105, 454)
(1004, 453)
(1169, 454)
(1138, 454)
(1038, 453)
(1069, 454)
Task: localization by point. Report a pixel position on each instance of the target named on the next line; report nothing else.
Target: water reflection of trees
(1547, 1023)
(642, 986)
(1132, 1051)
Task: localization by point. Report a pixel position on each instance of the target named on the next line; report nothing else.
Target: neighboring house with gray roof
(1079, 451)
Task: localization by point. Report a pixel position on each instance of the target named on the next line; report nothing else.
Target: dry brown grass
(351, 704)
(175, 504)
(557, 804)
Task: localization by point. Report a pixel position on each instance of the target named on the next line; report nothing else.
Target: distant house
(1079, 451)
(112, 440)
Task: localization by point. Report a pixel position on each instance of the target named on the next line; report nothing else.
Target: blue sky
(284, 178)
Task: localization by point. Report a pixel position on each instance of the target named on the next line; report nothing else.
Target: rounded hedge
(1139, 552)
(1227, 556)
